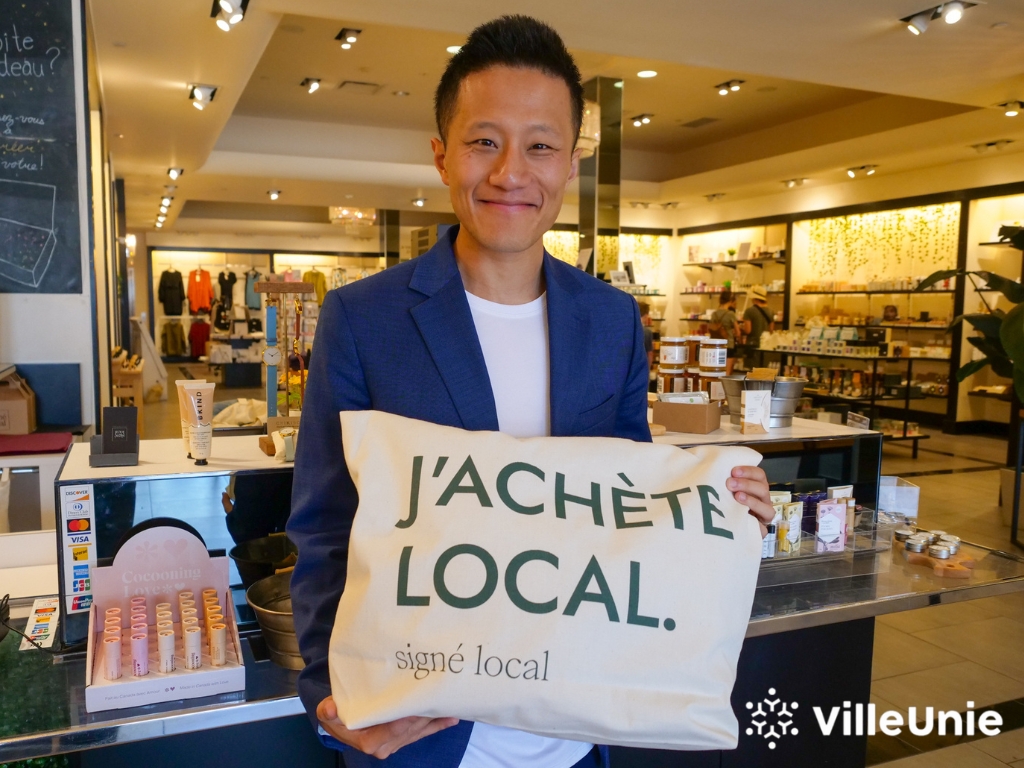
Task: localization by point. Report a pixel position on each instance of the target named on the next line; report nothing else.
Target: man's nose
(511, 169)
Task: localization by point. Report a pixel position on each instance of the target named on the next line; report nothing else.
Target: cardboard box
(682, 417)
(17, 407)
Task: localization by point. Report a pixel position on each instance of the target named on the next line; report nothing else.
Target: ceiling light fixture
(453, 49)
(175, 173)
(724, 89)
(1011, 108)
(419, 202)
(790, 183)
(643, 119)
(201, 95)
(714, 196)
(159, 224)
(228, 13)
(130, 240)
(950, 12)
(274, 194)
(399, 93)
(163, 209)
(645, 73)
(673, 205)
(311, 84)
(919, 23)
(161, 218)
(347, 36)
(166, 200)
(867, 170)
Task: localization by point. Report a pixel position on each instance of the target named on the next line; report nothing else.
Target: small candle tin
(915, 545)
(939, 551)
(902, 534)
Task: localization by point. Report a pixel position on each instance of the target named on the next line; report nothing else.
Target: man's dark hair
(725, 297)
(509, 41)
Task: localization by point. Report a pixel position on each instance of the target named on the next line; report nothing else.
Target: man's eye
(485, 142)
(540, 146)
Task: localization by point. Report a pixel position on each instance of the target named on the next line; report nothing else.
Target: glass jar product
(674, 351)
(693, 379)
(671, 379)
(712, 384)
(693, 349)
(713, 354)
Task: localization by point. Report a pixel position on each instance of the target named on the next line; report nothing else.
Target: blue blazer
(404, 342)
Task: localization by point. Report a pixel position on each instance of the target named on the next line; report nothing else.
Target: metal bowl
(258, 558)
(271, 601)
(788, 387)
(733, 385)
(784, 406)
(757, 384)
(282, 642)
(286, 660)
(775, 422)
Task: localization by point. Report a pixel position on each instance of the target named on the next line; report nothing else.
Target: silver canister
(902, 534)
(940, 534)
(915, 545)
(939, 551)
(946, 537)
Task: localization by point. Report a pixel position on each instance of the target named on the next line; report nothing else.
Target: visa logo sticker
(81, 603)
(80, 539)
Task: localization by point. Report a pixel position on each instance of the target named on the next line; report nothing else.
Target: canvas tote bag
(593, 589)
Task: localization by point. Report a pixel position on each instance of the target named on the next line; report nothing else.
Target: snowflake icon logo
(773, 718)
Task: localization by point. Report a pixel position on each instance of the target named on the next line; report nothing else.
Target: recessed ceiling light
(347, 36)
(453, 49)
(790, 183)
(163, 209)
(1011, 108)
(274, 194)
(174, 173)
(201, 95)
(617, 83)
(399, 93)
(851, 173)
(646, 73)
(311, 84)
(166, 200)
(159, 224)
(419, 202)
(161, 218)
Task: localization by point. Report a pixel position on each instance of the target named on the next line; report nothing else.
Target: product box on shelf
(17, 406)
(699, 419)
(127, 665)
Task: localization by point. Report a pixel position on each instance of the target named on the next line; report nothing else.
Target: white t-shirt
(514, 339)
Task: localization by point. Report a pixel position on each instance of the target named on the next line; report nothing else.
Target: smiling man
(484, 332)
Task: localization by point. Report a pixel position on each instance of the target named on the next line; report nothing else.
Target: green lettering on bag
(490, 579)
(414, 493)
(602, 596)
(707, 508)
(594, 502)
(476, 486)
(505, 475)
(633, 614)
(620, 510)
(403, 581)
(512, 585)
(674, 505)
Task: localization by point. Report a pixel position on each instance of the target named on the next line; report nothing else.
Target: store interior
(821, 152)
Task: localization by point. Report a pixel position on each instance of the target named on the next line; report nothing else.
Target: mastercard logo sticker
(78, 526)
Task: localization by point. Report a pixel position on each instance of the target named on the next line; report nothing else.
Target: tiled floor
(947, 655)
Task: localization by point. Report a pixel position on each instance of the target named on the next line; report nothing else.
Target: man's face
(509, 156)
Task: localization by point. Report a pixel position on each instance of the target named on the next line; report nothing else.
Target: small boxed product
(830, 528)
(161, 625)
(756, 407)
(790, 527)
(17, 406)
(699, 419)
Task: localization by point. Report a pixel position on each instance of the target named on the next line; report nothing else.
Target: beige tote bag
(583, 588)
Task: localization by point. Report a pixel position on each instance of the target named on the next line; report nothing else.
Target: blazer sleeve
(631, 421)
(324, 498)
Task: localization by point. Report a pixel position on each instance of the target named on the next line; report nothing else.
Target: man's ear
(574, 166)
(437, 145)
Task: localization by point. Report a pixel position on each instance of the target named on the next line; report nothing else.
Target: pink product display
(140, 654)
(830, 532)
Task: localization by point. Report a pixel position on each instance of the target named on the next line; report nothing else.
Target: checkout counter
(810, 633)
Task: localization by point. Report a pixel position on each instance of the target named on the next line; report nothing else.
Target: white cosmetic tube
(200, 420)
(218, 645)
(112, 657)
(162, 607)
(193, 648)
(183, 411)
(165, 645)
(140, 655)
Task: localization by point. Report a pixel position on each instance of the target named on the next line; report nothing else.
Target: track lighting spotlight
(790, 183)
(166, 201)
(161, 218)
(311, 84)
(228, 12)
(724, 89)
(348, 36)
(159, 224)
(1011, 108)
(919, 23)
(174, 173)
(453, 49)
(714, 196)
(419, 202)
(643, 119)
(201, 95)
(274, 194)
(163, 209)
(952, 12)
(867, 170)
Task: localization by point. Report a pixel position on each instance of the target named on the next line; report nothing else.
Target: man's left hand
(749, 486)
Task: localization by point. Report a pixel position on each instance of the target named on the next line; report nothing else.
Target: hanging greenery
(884, 243)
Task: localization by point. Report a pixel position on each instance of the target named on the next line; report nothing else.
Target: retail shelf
(1005, 397)
(739, 291)
(862, 398)
(870, 293)
(734, 264)
(1006, 243)
(840, 357)
(894, 326)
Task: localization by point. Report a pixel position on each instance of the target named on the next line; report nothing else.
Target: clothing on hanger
(200, 291)
(172, 339)
(198, 335)
(227, 285)
(338, 277)
(238, 292)
(171, 292)
(252, 299)
(221, 316)
(319, 284)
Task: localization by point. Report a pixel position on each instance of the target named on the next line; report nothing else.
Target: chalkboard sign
(40, 238)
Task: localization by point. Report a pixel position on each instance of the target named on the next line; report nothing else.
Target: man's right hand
(382, 740)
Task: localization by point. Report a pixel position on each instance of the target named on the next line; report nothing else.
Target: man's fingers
(411, 729)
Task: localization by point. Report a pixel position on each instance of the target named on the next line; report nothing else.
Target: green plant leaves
(988, 324)
(937, 277)
(1010, 289)
(1017, 238)
(971, 368)
(1011, 334)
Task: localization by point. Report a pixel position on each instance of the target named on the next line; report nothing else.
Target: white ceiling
(851, 86)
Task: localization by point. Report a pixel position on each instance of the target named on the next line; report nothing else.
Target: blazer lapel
(568, 335)
(446, 325)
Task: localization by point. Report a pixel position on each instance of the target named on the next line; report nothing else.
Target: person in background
(724, 325)
(645, 321)
(756, 320)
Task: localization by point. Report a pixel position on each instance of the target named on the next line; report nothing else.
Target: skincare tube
(218, 645)
(112, 612)
(165, 645)
(112, 621)
(209, 592)
(183, 410)
(189, 621)
(112, 632)
(163, 607)
(193, 648)
(139, 618)
(187, 595)
(200, 420)
(165, 626)
(188, 612)
(140, 655)
(214, 618)
(182, 604)
(140, 628)
(112, 657)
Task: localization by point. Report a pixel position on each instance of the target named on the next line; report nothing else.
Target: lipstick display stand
(158, 563)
